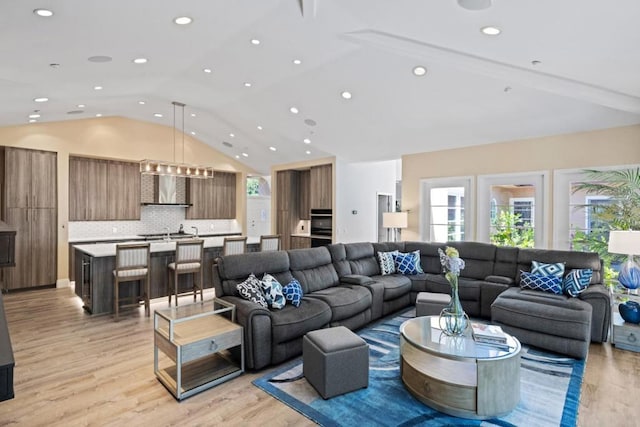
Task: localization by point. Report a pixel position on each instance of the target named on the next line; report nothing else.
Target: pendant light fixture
(161, 167)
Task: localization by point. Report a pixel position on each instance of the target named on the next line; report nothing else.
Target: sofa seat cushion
(345, 301)
(293, 322)
(543, 312)
(395, 285)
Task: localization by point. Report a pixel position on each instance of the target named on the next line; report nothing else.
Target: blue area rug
(549, 394)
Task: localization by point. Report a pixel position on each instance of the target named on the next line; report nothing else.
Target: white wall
(358, 185)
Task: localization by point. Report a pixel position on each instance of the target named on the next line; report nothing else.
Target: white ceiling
(478, 89)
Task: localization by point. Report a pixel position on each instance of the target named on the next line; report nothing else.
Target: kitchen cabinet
(212, 198)
(287, 189)
(101, 190)
(321, 187)
(300, 242)
(304, 201)
(30, 189)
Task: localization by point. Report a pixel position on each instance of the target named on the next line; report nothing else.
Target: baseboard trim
(63, 283)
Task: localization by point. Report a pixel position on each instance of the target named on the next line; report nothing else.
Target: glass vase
(453, 320)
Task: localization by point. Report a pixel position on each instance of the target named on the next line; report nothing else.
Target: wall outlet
(303, 228)
(211, 226)
(114, 230)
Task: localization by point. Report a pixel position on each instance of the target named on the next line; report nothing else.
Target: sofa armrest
(503, 280)
(598, 297)
(256, 322)
(356, 279)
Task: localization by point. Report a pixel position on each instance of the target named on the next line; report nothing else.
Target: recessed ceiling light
(43, 12)
(490, 31)
(306, 141)
(141, 102)
(193, 133)
(43, 99)
(297, 61)
(140, 61)
(81, 105)
(255, 42)
(259, 127)
(97, 88)
(308, 152)
(193, 114)
(247, 84)
(157, 115)
(346, 94)
(183, 20)
(207, 70)
(98, 115)
(474, 4)
(294, 110)
(232, 135)
(419, 70)
(245, 155)
(237, 156)
(273, 148)
(34, 116)
(32, 120)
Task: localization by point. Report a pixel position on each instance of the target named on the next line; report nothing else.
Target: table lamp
(627, 243)
(395, 221)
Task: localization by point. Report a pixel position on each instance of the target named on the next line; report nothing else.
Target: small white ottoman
(431, 304)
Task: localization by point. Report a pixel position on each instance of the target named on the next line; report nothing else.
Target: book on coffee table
(489, 334)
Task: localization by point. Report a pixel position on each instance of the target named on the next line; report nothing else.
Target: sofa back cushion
(571, 259)
(234, 269)
(478, 258)
(388, 247)
(339, 259)
(506, 263)
(362, 259)
(313, 268)
(429, 258)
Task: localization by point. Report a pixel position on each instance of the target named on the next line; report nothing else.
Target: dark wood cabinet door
(123, 191)
(17, 178)
(44, 179)
(19, 277)
(78, 170)
(96, 191)
(43, 246)
(321, 187)
(304, 190)
(196, 193)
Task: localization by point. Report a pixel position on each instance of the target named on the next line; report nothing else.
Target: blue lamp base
(629, 275)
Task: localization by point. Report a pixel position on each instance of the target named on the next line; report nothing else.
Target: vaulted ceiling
(556, 67)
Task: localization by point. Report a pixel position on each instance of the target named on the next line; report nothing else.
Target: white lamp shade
(624, 242)
(395, 219)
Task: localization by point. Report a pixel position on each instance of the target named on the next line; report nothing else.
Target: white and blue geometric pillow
(273, 291)
(542, 269)
(293, 292)
(540, 283)
(387, 263)
(576, 281)
(408, 263)
(251, 290)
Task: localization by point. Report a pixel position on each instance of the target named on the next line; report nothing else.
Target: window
(443, 209)
(522, 208)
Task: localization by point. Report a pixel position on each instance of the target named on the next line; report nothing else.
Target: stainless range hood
(164, 190)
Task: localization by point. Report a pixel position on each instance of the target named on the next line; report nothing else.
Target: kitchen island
(94, 265)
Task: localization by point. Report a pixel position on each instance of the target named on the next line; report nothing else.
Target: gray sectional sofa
(342, 285)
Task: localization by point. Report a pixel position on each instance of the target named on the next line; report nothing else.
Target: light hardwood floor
(74, 369)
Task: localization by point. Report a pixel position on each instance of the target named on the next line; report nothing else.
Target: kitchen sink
(163, 236)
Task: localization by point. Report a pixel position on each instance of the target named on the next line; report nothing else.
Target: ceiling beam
(510, 74)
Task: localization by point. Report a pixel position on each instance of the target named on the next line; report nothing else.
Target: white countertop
(109, 249)
(301, 235)
(138, 237)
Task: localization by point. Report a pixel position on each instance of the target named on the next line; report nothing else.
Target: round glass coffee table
(457, 375)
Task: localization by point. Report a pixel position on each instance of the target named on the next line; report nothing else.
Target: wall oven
(321, 222)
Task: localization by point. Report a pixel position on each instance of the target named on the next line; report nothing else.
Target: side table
(625, 335)
(202, 346)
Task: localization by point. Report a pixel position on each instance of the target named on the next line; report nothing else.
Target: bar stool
(188, 260)
(132, 264)
(234, 245)
(270, 242)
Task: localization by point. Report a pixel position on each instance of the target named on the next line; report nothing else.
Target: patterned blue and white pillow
(293, 292)
(387, 263)
(541, 269)
(251, 290)
(273, 291)
(408, 263)
(576, 281)
(536, 282)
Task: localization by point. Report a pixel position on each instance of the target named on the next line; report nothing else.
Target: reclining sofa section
(343, 286)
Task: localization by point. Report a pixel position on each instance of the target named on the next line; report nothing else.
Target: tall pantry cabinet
(30, 206)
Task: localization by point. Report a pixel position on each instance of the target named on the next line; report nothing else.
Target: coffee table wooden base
(467, 388)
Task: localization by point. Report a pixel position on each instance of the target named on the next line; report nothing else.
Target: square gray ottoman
(431, 304)
(335, 361)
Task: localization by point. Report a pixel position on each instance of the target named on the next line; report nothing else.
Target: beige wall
(608, 147)
(115, 138)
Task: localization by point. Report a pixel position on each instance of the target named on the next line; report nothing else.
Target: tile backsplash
(153, 219)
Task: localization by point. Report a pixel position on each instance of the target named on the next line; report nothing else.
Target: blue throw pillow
(293, 292)
(542, 269)
(536, 282)
(577, 281)
(273, 291)
(408, 263)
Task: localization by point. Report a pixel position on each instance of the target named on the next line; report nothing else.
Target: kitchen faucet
(181, 230)
(168, 237)
(195, 228)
